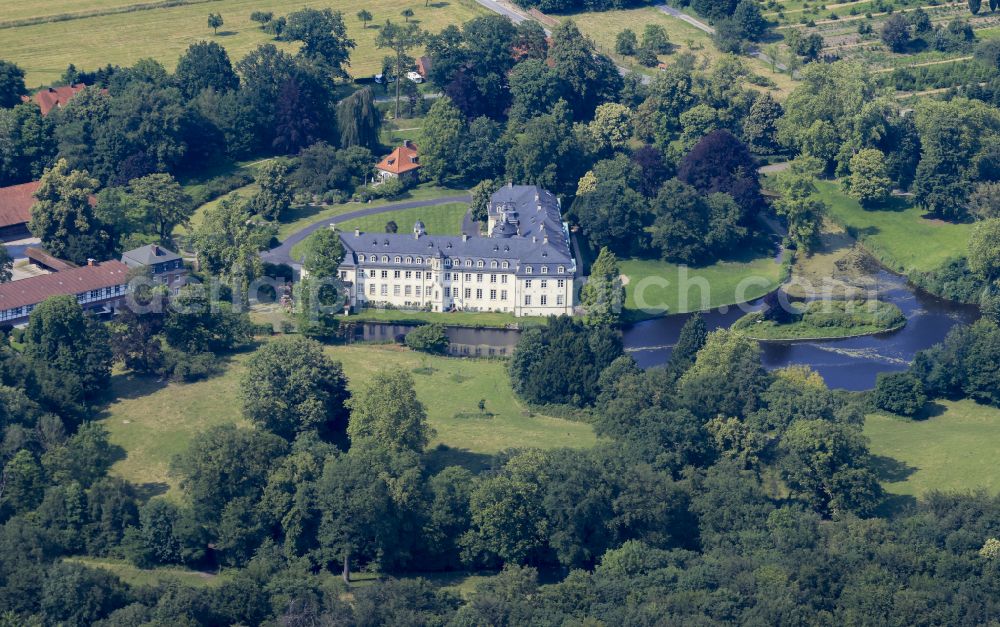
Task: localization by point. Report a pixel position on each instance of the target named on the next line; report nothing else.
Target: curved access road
(283, 252)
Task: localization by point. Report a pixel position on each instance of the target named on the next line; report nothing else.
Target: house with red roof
(97, 287)
(52, 97)
(15, 210)
(402, 163)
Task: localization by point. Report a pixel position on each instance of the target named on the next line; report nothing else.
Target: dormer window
(418, 260)
(468, 263)
(527, 269)
(562, 270)
(545, 269)
(505, 265)
(409, 260)
(397, 259)
(385, 259)
(493, 264)
(479, 264)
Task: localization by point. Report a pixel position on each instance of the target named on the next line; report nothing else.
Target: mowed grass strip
(44, 50)
(955, 449)
(153, 421)
(899, 236)
(135, 576)
(655, 288)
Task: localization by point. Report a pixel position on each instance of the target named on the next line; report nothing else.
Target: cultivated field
(45, 49)
(955, 448)
(153, 421)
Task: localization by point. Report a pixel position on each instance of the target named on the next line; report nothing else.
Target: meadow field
(152, 421)
(954, 446)
(659, 284)
(603, 26)
(898, 235)
(163, 33)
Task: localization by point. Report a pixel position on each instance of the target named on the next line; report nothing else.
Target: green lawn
(954, 450)
(299, 218)
(135, 576)
(898, 236)
(443, 219)
(153, 422)
(656, 288)
(44, 50)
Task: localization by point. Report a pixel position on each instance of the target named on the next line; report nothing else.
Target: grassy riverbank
(825, 319)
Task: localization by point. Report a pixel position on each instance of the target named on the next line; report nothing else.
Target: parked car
(381, 78)
(415, 77)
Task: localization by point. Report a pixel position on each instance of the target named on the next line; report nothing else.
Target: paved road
(470, 227)
(514, 16)
(283, 253)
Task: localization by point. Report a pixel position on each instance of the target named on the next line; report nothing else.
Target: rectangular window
(418, 274)
(409, 274)
(468, 293)
(527, 284)
(371, 274)
(559, 299)
(545, 285)
(479, 293)
(417, 290)
(385, 274)
(561, 283)
(371, 289)
(95, 293)
(395, 274)
(503, 294)
(408, 290)
(479, 278)
(493, 294)
(395, 290)
(545, 300)
(385, 290)
(468, 277)
(503, 279)
(493, 278)
(447, 292)
(527, 299)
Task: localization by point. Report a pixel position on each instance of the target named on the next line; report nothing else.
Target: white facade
(525, 267)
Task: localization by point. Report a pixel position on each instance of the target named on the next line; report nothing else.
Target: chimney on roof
(91, 262)
(333, 226)
(357, 232)
(156, 251)
(465, 237)
(406, 143)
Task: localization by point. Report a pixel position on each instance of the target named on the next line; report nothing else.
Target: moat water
(850, 363)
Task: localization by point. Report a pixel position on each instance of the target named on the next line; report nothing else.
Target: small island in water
(821, 319)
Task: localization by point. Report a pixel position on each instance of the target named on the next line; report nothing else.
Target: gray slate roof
(148, 255)
(540, 238)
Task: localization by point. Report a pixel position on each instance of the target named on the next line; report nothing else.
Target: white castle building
(525, 266)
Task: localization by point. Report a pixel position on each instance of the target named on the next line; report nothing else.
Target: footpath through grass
(655, 288)
(44, 50)
(897, 235)
(954, 448)
(153, 421)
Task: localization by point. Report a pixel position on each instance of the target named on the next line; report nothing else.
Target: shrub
(429, 338)
(899, 393)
